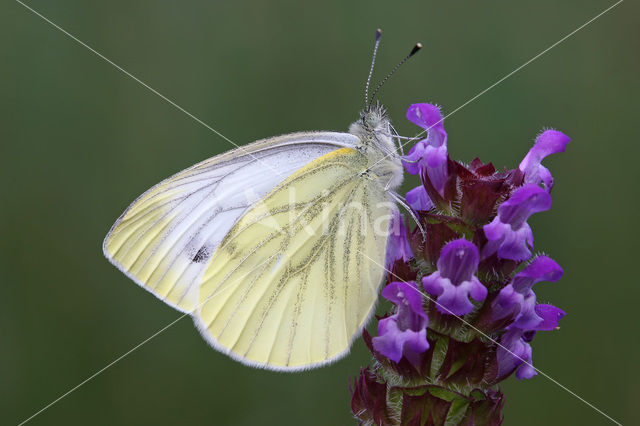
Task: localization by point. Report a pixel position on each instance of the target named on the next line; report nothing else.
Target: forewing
(166, 237)
(297, 277)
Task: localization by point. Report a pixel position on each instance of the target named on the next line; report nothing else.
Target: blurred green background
(80, 140)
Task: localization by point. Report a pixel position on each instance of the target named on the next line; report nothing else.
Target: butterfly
(277, 248)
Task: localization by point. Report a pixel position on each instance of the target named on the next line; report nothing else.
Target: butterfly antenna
(373, 62)
(415, 49)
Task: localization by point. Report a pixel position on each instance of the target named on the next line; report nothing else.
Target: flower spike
(440, 354)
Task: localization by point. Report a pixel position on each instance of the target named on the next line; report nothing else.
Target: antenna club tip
(415, 49)
(378, 34)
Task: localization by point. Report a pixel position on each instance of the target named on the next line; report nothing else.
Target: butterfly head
(372, 123)
(374, 130)
(374, 118)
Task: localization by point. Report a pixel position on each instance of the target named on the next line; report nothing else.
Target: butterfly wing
(291, 285)
(165, 238)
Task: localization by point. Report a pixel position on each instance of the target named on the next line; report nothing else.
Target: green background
(80, 140)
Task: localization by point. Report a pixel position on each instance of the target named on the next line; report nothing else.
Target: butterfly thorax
(373, 128)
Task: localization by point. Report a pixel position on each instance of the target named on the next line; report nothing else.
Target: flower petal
(454, 301)
(398, 244)
(405, 295)
(518, 297)
(454, 281)
(509, 234)
(543, 268)
(437, 165)
(477, 290)
(524, 202)
(404, 333)
(418, 199)
(549, 142)
(429, 117)
(411, 161)
(550, 316)
(458, 260)
(389, 342)
(434, 284)
(430, 154)
(515, 353)
(394, 343)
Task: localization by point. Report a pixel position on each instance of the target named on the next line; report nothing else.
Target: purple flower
(454, 281)
(430, 154)
(514, 351)
(549, 142)
(398, 244)
(509, 234)
(519, 297)
(418, 199)
(550, 315)
(404, 333)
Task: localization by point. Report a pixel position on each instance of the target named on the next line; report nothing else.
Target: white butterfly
(275, 248)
